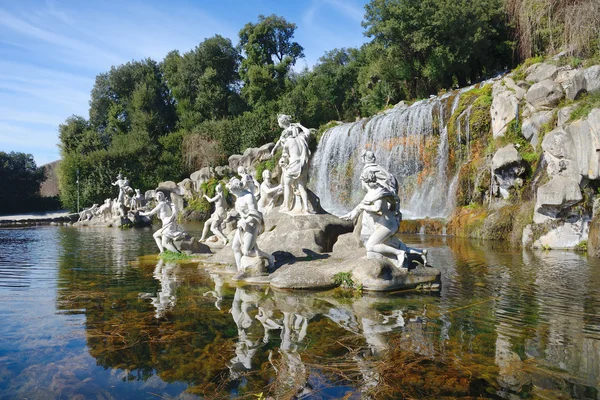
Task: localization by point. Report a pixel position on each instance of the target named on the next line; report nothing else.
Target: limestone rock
(519, 92)
(546, 93)
(555, 196)
(507, 168)
(559, 144)
(252, 267)
(200, 176)
(592, 78)
(381, 275)
(573, 83)
(149, 195)
(566, 235)
(593, 247)
(234, 161)
(503, 110)
(191, 245)
(505, 157)
(585, 141)
(531, 126)
(287, 236)
(540, 72)
(564, 114)
(186, 187)
(223, 171)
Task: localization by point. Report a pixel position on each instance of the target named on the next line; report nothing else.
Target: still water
(84, 316)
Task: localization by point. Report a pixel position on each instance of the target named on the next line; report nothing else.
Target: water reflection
(506, 323)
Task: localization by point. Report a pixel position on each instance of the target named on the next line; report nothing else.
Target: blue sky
(51, 51)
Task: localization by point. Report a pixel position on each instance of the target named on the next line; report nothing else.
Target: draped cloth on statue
(298, 163)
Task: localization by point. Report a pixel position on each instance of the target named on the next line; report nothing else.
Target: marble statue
(249, 181)
(249, 226)
(87, 213)
(137, 200)
(381, 213)
(294, 141)
(123, 184)
(167, 212)
(269, 193)
(218, 217)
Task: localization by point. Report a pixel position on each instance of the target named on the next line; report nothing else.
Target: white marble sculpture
(381, 213)
(269, 193)
(249, 226)
(137, 200)
(167, 212)
(294, 141)
(218, 217)
(87, 213)
(249, 182)
(123, 185)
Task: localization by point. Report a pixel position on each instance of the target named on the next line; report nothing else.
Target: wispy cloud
(346, 8)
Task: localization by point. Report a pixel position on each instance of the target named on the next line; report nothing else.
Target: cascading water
(410, 141)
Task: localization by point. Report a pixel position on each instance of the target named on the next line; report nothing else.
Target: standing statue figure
(294, 140)
(249, 182)
(269, 193)
(137, 200)
(122, 184)
(167, 212)
(249, 226)
(218, 217)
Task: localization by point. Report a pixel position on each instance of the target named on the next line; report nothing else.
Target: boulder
(149, 195)
(200, 176)
(505, 157)
(234, 161)
(299, 236)
(507, 168)
(554, 197)
(564, 114)
(540, 72)
(566, 235)
(252, 267)
(546, 93)
(592, 78)
(223, 171)
(585, 140)
(573, 83)
(191, 245)
(531, 126)
(519, 92)
(504, 108)
(186, 186)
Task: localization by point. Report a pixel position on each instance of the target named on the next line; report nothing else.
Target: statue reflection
(218, 292)
(248, 343)
(165, 298)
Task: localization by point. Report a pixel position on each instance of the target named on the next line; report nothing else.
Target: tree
(270, 54)
(20, 181)
(204, 81)
(439, 43)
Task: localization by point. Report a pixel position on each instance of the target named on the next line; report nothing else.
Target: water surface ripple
(89, 313)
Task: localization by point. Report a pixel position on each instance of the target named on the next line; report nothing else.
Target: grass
(582, 246)
(585, 105)
(519, 73)
(171, 256)
(344, 281)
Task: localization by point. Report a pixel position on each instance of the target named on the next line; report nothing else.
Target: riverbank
(60, 217)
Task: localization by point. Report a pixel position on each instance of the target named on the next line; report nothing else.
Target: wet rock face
(504, 108)
(507, 167)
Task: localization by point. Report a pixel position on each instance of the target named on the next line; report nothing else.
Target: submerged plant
(172, 256)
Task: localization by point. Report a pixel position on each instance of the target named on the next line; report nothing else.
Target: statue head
(369, 179)
(284, 120)
(119, 176)
(219, 188)
(137, 191)
(266, 175)
(368, 157)
(160, 196)
(235, 185)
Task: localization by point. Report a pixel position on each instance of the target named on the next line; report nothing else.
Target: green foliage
(172, 256)
(519, 72)
(585, 105)
(344, 280)
(20, 180)
(269, 164)
(582, 246)
(438, 43)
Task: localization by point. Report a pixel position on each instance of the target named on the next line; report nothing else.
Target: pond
(90, 313)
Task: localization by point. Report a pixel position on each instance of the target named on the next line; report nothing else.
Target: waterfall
(411, 141)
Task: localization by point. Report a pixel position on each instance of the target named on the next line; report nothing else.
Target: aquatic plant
(172, 256)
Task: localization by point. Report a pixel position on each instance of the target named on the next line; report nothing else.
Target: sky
(52, 50)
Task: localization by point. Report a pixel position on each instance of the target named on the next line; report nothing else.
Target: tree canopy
(20, 180)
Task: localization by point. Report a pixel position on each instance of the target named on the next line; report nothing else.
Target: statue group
(380, 207)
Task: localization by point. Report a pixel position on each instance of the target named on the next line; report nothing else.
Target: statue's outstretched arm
(151, 212)
(212, 200)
